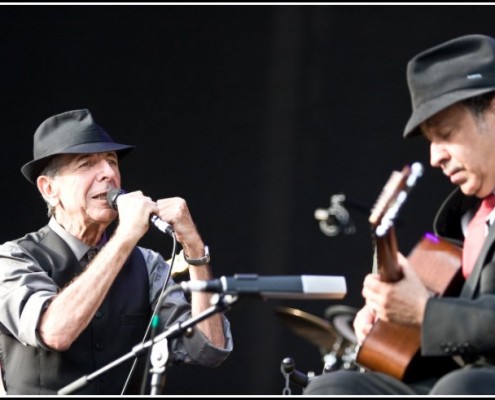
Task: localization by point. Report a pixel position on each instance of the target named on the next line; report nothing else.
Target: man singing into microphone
(64, 314)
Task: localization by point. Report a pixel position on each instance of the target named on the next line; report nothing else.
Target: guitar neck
(386, 263)
(382, 219)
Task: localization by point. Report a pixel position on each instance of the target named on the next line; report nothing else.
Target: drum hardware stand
(291, 374)
(349, 358)
(331, 360)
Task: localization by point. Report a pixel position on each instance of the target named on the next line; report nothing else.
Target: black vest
(118, 325)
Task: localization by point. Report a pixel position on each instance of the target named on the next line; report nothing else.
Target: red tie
(475, 235)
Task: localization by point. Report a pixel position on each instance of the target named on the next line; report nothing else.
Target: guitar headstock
(392, 197)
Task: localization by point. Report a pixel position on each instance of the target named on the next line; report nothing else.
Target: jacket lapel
(473, 281)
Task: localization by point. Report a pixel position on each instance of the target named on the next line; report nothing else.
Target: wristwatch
(198, 261)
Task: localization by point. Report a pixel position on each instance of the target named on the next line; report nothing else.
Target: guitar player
(452, 89)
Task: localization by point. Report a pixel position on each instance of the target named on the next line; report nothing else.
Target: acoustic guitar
(394, 348)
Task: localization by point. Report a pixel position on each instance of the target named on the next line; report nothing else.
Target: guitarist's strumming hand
(363, 322)
(403, 301)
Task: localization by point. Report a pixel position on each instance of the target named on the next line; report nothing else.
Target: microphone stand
(159, 352)
(158, 358)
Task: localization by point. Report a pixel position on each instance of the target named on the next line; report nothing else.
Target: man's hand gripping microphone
(163, 226)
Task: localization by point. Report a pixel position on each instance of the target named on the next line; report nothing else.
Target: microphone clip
(335, 219)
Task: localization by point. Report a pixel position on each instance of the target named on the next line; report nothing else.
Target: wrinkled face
(463, 146)
(78, 190)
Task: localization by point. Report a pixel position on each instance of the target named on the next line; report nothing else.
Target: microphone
(291, 287)
(336, 219)
(112, 196)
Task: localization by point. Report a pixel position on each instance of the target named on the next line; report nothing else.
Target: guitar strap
(446, 223)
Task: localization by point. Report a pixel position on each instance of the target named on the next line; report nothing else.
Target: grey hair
(51, 170)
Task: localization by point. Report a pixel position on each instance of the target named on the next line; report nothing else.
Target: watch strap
(198, 261)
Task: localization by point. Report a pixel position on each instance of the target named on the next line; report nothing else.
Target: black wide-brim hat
(448, 73)
(71, 132)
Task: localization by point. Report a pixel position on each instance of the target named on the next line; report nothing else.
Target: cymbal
(316, 330)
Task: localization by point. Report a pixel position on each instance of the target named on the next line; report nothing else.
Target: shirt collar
(78, 247)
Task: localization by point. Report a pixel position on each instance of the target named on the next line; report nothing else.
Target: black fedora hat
(71, 132)
(458, 69)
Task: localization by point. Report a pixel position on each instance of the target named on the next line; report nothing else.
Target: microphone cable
(152, 327)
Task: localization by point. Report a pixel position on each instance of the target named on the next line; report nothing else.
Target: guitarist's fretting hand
(403, 301)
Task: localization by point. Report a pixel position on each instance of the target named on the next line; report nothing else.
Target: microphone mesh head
(112, 197)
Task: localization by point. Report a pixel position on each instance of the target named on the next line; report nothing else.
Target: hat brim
(434, 106)
(32, 169)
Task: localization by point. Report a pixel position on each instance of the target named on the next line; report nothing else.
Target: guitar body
(394, 348)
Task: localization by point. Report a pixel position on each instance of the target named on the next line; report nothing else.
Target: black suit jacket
(463, 325)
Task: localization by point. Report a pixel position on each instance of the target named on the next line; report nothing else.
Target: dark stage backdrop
(256, 115)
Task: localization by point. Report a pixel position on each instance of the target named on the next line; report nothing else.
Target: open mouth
(101, 196)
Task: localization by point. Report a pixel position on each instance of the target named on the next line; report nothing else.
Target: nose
(438, 154)
(106, 170)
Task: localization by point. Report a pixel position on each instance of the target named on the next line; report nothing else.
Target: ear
(48, 190)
